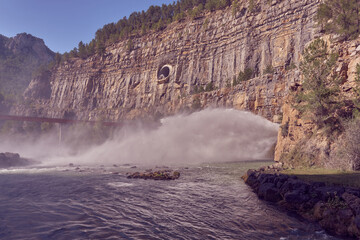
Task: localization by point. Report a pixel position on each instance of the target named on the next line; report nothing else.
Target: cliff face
(158, 75)
(303, 143)
(20, 56)
(26, 44)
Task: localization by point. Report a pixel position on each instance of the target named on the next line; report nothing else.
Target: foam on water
(120, 184)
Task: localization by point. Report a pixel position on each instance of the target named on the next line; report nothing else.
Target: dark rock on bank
(156, 175)
(8, 160)
(335, 208)
(268, 192)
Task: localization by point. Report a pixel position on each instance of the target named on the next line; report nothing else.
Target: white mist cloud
(212, 135)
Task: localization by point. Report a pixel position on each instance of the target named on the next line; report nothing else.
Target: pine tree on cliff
(156, 18)
(318, 98)
(341, 17)
(82, 50)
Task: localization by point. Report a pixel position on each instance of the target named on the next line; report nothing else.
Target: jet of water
(211, 135)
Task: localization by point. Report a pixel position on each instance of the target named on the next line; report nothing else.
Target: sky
(62, 24)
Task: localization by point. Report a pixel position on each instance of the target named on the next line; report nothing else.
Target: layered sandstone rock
(127, 84)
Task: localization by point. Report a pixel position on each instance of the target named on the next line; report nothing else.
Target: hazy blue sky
(64, 23)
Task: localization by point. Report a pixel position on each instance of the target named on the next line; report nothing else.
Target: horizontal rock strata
(128, 84)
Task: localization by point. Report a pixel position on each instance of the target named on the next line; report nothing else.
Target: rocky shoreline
(335, 208)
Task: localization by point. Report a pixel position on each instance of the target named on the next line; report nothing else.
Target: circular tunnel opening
(164, 72)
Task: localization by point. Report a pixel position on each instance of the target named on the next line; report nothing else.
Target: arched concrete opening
(164, 73)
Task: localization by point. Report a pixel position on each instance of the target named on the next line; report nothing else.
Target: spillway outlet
(164, 74)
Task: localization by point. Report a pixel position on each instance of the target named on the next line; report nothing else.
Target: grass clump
(328, 176)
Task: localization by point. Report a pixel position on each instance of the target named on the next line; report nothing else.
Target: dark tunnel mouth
(164, 72)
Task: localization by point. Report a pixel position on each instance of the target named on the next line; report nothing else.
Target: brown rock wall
(303, 144)
(123, 84)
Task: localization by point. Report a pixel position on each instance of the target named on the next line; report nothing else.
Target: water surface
(207, 202)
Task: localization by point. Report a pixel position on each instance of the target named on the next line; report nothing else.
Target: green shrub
(198, 89)
(245, 75)
(206, 24)
(180, 16)
(351, 145)
(228, 83)
(196, 12)
(356, 100)
(129, 45)
(252, 6)
(196, 104)
(298, 156)
(235, 7)
(269, 69)
(235, 82)
(209, 87)
(291, 66)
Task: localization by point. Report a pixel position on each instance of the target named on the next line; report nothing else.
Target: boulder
(353, 202)
(267, 178)
(353, 191)
(294, 184)
(156, 175)
(8, 160)
(354, 228)
(336, 221)
(251, 178)
(328, 192)
(319, 210)
(296, 197)
(269, 192)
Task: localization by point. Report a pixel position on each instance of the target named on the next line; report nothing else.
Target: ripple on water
(106, 206)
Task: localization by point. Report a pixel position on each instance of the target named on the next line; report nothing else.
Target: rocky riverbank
(335, 208)
(8, 160)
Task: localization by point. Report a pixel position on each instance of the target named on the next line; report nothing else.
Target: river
(209, 201)
(212, 149)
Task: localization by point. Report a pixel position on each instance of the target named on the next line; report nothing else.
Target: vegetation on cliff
(328, 101)
(331, 113)
(318, 98)
(156, 18)
(347, 155)
(341, 17)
